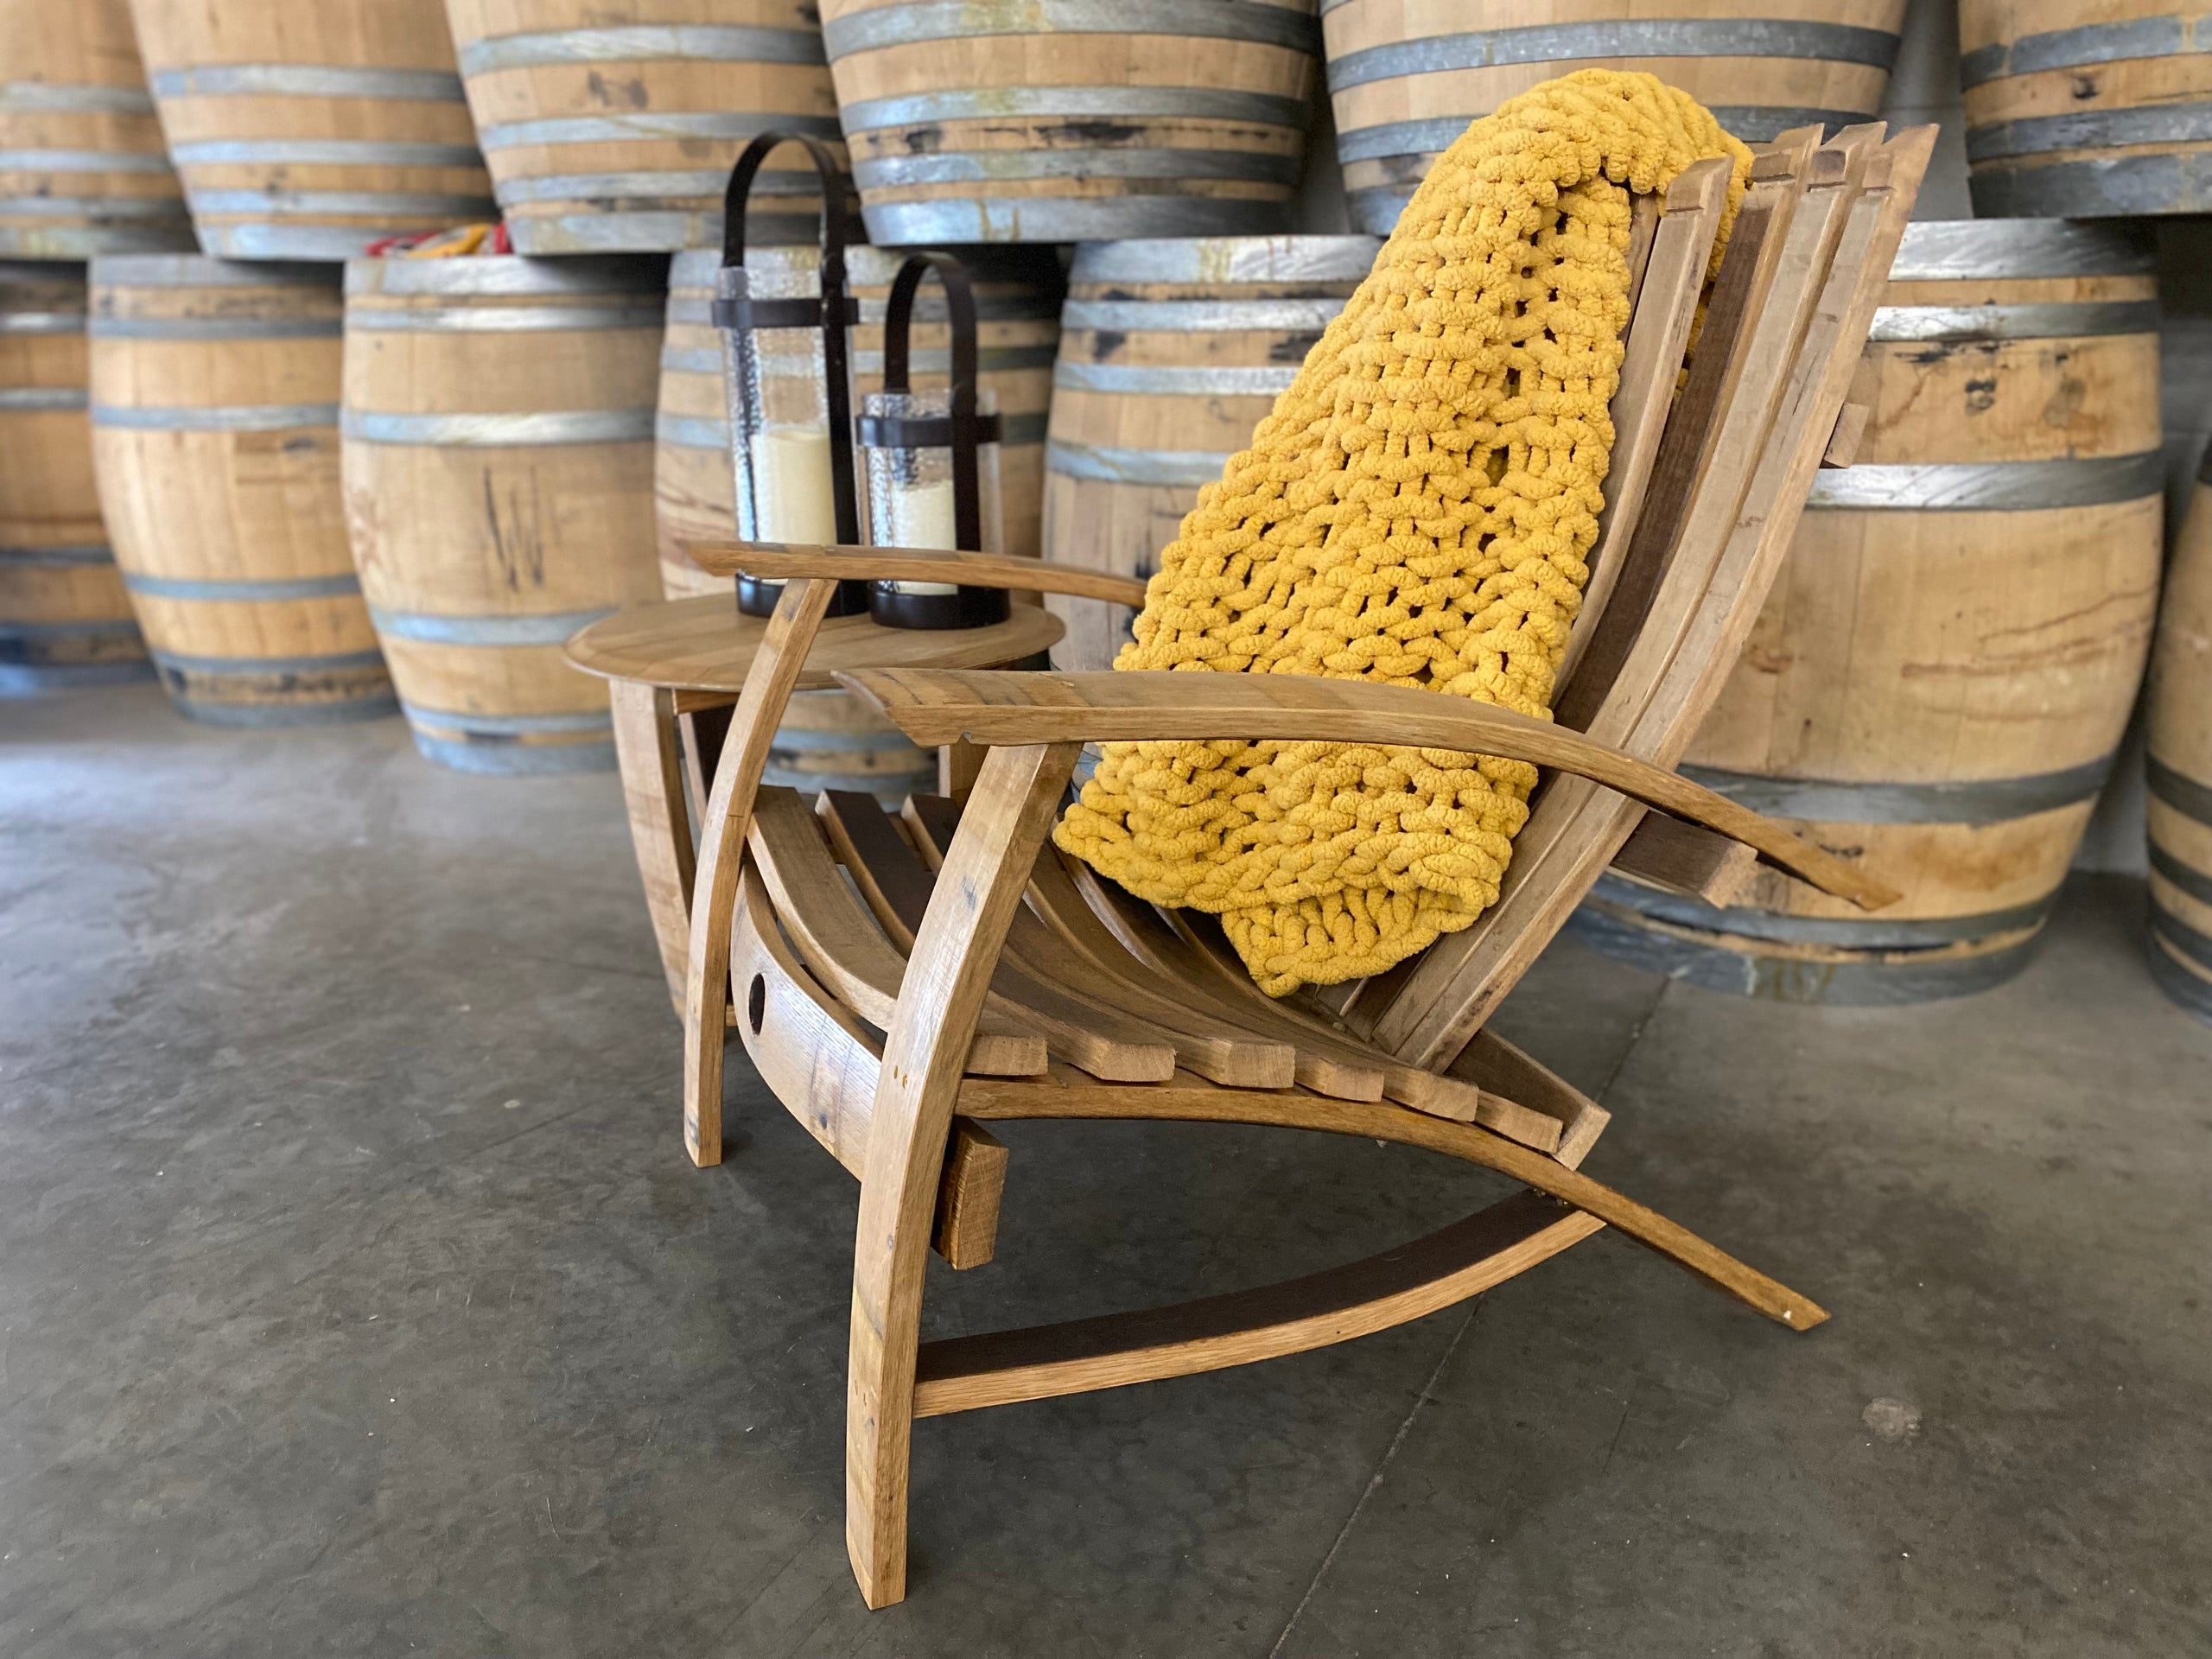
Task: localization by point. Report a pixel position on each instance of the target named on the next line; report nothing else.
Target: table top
(706, 645)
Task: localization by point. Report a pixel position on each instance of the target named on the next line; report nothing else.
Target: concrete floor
(356, 1295)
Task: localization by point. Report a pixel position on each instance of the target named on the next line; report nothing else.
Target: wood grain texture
(782, 561)
(1681, 858)
(947, 979)
(937, 706)
(651, 762)
(965, 1373)
(969, 1196)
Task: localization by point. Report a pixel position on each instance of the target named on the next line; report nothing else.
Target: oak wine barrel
(1017, 319)
(1938, 683)
(309, 131)
(215, 436)
(2180, 756)
(1172, 350)
(82, 167)
(605, 135)
(498, 426)
(1406, 76)
(1075, 120)
(2087, 112)
(64, 618)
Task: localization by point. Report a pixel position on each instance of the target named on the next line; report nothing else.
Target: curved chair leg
(947, 975)
(768, 685)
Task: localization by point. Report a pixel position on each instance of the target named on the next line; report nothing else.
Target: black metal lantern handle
(966, 428)
(834, 311)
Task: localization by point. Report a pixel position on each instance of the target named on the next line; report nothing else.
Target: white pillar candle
(923, 516)
(794, 498)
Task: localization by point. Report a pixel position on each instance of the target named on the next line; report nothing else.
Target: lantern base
(758, 597)
(893, 605)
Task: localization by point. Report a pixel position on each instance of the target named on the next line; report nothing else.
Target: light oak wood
(87, 172)
(937, 705)
(1683, 859)
(637, 167)
(63, 616)
(947, 981)
(2179, 743)
(652, 760)
(1007, 925)
(279, 164)
(966, 1373)
(478, 558)
(969, 1198)
(215, 437)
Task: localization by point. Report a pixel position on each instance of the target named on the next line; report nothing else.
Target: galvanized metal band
(329, 152)
(503, 275)
(217, 328)
(715, 43)
(634, 129)
(1201, 316)
(918, 21)
(2197, 883)
(50, 98)
(98, 210)
(704, 432)
(690, 431)
(1980, 800)
(686, 311)
(328, 244)
(1949, 249)
(1228, 258)
(314, 204)
(991, 359)
(806, 740)
(1377, 211)
(83, 161)
(193, 271)
(1147, 381)
(306, 80)
(504, 319)
(495, 759)
(2069, 49)
(104, 627)
(1990, 486)
(26, 400)
(2155, 183)
(1758, 124)
(218, 417)
(987, 217)
(1003, 103)
(589, 720)
(2178, 789)
(2159, 123)
(332, 662)
(242, 592)
(1616, 38)
(506, 628)
(1870, 933)
(593, 231)
(1429, 137)
(2192, 993)
(32, 679)
(1907, 977)
(2052, 322)
(289, 711)
(1176, 469)
(984, 166)
(2196, 946)
(41, 322)
(603, 187)
(498, 431)
(82, 556)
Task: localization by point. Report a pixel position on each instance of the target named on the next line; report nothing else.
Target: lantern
(932, 459)
(787, 378)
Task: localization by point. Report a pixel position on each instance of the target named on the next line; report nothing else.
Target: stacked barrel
(1939, 682)
(2180, 753)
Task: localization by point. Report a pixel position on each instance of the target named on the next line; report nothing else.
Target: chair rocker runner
(900, 982)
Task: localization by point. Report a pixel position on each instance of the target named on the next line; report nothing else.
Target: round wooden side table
(674, 672)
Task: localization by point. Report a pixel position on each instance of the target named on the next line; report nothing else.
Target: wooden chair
(903, 982)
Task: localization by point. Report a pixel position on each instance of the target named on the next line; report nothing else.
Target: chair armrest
(783, 562)
(940, 706)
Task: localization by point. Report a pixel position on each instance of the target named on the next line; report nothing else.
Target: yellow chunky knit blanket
(1417, 510)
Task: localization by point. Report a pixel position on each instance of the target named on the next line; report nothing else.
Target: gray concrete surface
(356, 1296)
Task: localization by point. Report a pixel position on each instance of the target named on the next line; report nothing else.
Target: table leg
(660, 828)
(957, 764)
